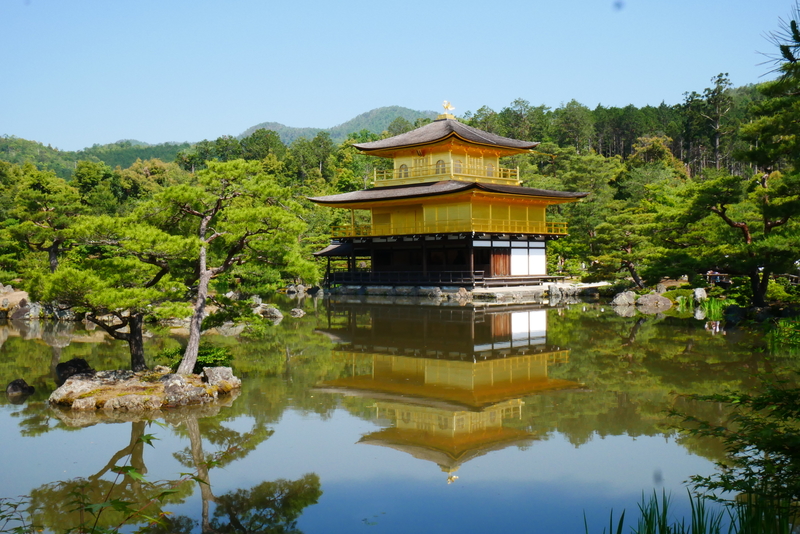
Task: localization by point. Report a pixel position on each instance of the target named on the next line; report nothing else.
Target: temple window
(402, 172)
(440, 167)
(490, 170)
(457, 166)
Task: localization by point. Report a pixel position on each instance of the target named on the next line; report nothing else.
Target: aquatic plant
(745, 516)
(784, 335)
(713, 308)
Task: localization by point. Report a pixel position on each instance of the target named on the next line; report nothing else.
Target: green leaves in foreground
(762, 441)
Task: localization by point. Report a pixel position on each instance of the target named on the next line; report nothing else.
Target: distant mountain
(375, 121)
(62, 162)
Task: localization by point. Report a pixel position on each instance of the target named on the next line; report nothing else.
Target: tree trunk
(52, 255)
(136, 343)
(199, 459)
(133, 337)
(632, 269)
(190, 356)
(758, 284)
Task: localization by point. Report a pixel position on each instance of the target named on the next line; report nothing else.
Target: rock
(405, 291)
(699, 314)
(179, 392)
(268, 312)
(653, 303)
(661, 289)
(699, 294)
(84, 404)
(228, 329)
(125, 391)
(735, 314)
(256, 300)
(430, 292)
(297, 313)
(461, 294)
(315, 290)
(72, 389)
(131, 403)
(75, 366)
(222, 377)
(626, 298)
(291, 289)
(625, 311)
(300, 288)
(18, 390)
(379, 290)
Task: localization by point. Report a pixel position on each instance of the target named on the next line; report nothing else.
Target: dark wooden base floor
(442, 278)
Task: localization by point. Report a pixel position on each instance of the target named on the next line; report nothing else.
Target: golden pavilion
(447, 213)
(448, 383)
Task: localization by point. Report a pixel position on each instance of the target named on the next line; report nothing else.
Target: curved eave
(388, 152)
(440, 189)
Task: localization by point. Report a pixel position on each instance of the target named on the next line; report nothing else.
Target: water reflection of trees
(270, 506)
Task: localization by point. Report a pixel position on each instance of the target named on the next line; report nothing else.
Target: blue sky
(80, 72)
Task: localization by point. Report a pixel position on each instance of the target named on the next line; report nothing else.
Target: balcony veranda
(488, 226)
(446, 171)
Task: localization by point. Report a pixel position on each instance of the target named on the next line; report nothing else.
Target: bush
(673, 294)
(207, 356)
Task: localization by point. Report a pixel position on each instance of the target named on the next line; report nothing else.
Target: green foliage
(208, 355)
(714, 309)
(272, 506)
(674, 294)
(743, 517)
(762, 441)
(784, 336)
(13, 517)
(46, 158)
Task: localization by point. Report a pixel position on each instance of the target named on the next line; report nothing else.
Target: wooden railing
(412, 278)
(491, 226)
(434, 278)
(446, 171)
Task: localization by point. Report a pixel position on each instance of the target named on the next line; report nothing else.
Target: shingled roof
(439, 188)
(442, 129)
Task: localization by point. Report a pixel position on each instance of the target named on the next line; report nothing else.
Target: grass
(741, 516)
(714, 309)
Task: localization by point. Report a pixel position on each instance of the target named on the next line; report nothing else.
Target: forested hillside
(712, 183)
(375, 121)
(120, 154)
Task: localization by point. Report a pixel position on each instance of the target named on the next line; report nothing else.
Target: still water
(392, 418)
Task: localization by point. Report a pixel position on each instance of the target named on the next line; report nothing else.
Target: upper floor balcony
(488, 226)
(443, 170)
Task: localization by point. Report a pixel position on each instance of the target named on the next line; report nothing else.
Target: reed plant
(714, 309)
(742, 516)
(684, 304)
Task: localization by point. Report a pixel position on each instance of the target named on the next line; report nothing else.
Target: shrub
(673, 294)
(207, 356)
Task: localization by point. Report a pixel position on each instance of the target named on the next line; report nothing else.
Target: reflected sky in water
(415, 418)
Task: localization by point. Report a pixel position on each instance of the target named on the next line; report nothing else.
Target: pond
(391, 418)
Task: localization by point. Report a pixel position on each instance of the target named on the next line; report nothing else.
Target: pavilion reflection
(448, 383)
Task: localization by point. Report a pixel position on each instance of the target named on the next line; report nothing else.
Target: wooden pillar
(424, 257)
